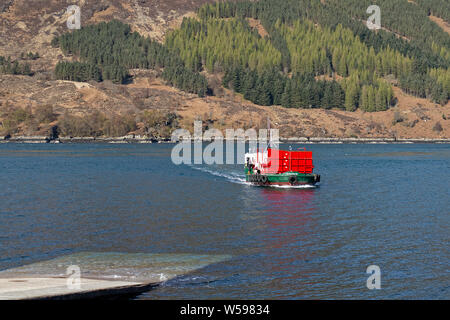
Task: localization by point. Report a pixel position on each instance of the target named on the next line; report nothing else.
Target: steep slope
(30, 27)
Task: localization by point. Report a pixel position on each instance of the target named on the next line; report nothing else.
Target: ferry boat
(272, 167)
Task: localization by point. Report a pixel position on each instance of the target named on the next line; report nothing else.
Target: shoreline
(140, 140)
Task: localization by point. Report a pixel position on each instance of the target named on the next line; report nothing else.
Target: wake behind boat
(274, 167)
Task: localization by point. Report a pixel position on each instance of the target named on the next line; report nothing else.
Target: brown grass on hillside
(148, 92)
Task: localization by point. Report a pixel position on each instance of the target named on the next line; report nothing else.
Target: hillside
(143, 101)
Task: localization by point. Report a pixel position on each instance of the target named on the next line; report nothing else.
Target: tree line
(8, 66)
(399, 16)
(273, 88)
(108, 50)
(330, 38)
(29, 56)
(215, 43)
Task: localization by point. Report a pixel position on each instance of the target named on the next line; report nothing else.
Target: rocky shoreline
(145, 140)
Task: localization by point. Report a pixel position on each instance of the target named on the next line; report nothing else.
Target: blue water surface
(385, 205)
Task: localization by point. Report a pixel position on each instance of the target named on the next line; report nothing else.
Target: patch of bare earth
(441, 23)
(326, 77)
(256, 24)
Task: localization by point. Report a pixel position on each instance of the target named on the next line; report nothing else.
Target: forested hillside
(330, 37)
(306, 41)
(436, 8)
(108, 50)
(146, 67)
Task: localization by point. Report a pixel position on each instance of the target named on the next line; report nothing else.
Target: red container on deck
(280, 161)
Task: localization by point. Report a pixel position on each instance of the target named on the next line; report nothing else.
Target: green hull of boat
(287, 178)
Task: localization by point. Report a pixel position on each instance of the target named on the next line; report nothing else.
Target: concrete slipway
(101, 275)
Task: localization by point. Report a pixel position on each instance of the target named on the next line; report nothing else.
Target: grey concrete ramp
(56, 288)
(99, 275)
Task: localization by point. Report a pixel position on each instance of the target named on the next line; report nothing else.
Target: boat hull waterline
(288, 179)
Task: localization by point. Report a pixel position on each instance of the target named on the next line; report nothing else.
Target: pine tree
(286, 96)
(351, 96)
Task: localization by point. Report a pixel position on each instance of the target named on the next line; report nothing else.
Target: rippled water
(385, 205)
